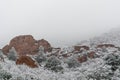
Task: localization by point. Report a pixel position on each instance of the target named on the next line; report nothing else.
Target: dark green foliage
(20, 78)
(5, 75)
(72, 63)
(102, 73)
(113, 60)
(40, 58)
(53, 64)
(12, 55)
(1, 55)
(41, 55)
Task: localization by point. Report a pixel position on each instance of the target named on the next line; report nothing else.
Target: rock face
(5, 49)
(91, 54)
(26, 44)
(27, 61)
(45, 44)
(78, 48)
(105, 45)
(82, 59)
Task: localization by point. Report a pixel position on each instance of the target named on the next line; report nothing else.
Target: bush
(41, 55)
(113, 60)
(40, 58)
(53, 64)
(72, 63)
(12, 55)
(20, 78)
(5, 75)
(99, 75)
(1, 55)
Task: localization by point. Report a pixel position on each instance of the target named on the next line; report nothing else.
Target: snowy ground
(22, 72)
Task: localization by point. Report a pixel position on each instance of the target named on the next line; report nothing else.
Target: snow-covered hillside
(93, 63)
(111, 37)
(93, 69)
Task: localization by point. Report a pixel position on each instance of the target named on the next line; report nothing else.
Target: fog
(61, 22)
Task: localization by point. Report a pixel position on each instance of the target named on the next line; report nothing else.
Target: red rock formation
(77, 48)
(82, 59)
(105, 45)
(27, 61)
(23, 44)
(45, 44)
(65, 55)
(91, 54)
(26, 44)
(5, 49)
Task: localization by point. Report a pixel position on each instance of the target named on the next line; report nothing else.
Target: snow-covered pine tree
(72, 63)
(54, 64)
(12, 55)
(1, 56)
(113, 60)
(41, 55)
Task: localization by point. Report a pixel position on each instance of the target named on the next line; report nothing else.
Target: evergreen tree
(113, 60)
(53, 64)
(72, 63)
(12, 55)
(41, 55)
(1, 55)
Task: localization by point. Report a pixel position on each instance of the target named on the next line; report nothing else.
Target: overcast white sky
(61, 22)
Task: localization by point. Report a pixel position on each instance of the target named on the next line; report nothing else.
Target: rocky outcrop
(5, 49)
(78, 48)
(82, 59)
(91, 54)
(66, 55)
(27, 61)
(26, 44)
(105, 45)
(45, 44)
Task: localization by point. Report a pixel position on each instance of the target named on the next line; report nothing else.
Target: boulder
(82, 59)
(27, 61)
(45, 44)
(5, 49)
(105, 45)
(91, 54)
(23, 44)
(78, 48)
(26, 44)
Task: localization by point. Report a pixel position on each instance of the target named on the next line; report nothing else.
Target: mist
(61, 22)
